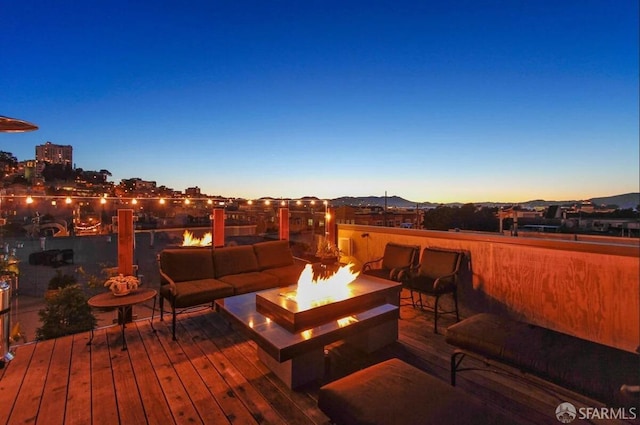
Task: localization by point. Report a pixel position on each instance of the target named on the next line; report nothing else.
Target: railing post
(284, 223)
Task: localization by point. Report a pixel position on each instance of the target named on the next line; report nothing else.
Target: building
(53, 154)
(192, 192)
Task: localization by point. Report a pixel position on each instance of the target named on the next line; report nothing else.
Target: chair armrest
(436, 283)
(630, 389)
(400, 274)
(408, 273)
(369, 265)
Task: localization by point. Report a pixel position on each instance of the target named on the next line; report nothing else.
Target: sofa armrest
(301, 261)
(172, 284)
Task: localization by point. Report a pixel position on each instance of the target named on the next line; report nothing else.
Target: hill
(623, 201)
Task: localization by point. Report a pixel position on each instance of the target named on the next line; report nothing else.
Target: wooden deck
(212, 375)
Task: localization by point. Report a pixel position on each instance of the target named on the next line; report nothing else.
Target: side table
(107, 301)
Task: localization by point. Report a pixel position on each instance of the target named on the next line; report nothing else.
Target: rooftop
(211, 374)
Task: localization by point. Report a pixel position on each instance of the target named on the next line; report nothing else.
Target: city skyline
(430, 101)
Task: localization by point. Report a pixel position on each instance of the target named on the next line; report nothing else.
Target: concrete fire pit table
(291, 339)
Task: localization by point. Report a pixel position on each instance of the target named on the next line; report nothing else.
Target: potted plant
(327, 251)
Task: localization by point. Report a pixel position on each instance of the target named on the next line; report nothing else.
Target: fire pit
(291, 329)
(189, 240)
(315, 301)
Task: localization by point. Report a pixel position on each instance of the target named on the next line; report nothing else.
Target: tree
(8, 162)
(53, 172)
(439, 218)
(466, 217)
(20, 180)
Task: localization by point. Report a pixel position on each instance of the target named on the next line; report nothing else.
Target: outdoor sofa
(192, 276)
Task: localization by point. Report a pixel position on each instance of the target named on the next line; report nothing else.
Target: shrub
(65, 313)
(60, 281)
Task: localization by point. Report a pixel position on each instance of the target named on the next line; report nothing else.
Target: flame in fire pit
(189, 240)
(315, 291)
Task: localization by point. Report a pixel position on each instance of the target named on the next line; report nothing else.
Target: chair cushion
(394, 392)
(425, 284)
(397, 256)
(194, 292)
(273, 254)
(185, 264)
(436, 263)
(234, 260)
(250, 282)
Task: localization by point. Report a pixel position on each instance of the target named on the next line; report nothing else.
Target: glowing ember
(313, 292)
(189, 240)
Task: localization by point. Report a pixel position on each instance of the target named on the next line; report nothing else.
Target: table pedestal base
(300, 370)
(375, 338)
(310, 366)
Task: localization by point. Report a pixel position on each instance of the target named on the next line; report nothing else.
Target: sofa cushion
(194, 292)
(250, 282)
(394, 392)
(273, 254)
(234, 260)
(287, 275)
(183, 264)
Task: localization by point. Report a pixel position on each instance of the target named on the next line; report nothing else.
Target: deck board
(212, 375)
(104, 408)
(78, 409)
(130, 406)
(54, 394)
(31, 392)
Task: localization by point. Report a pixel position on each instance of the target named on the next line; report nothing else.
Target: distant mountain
(624, 201)
(627, 200)
(379, 201)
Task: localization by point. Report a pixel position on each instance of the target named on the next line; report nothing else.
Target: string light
(104, 200)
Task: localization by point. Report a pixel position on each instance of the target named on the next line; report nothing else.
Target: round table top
(108, 300)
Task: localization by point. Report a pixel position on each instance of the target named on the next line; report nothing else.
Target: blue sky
(441, 101)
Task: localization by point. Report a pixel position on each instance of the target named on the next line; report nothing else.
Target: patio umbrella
(13, 125)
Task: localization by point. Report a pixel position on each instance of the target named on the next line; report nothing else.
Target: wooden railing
(587, 289)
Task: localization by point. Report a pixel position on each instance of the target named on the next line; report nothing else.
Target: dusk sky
(438, 101)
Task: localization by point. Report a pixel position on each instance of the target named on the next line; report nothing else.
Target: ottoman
(393, 392)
